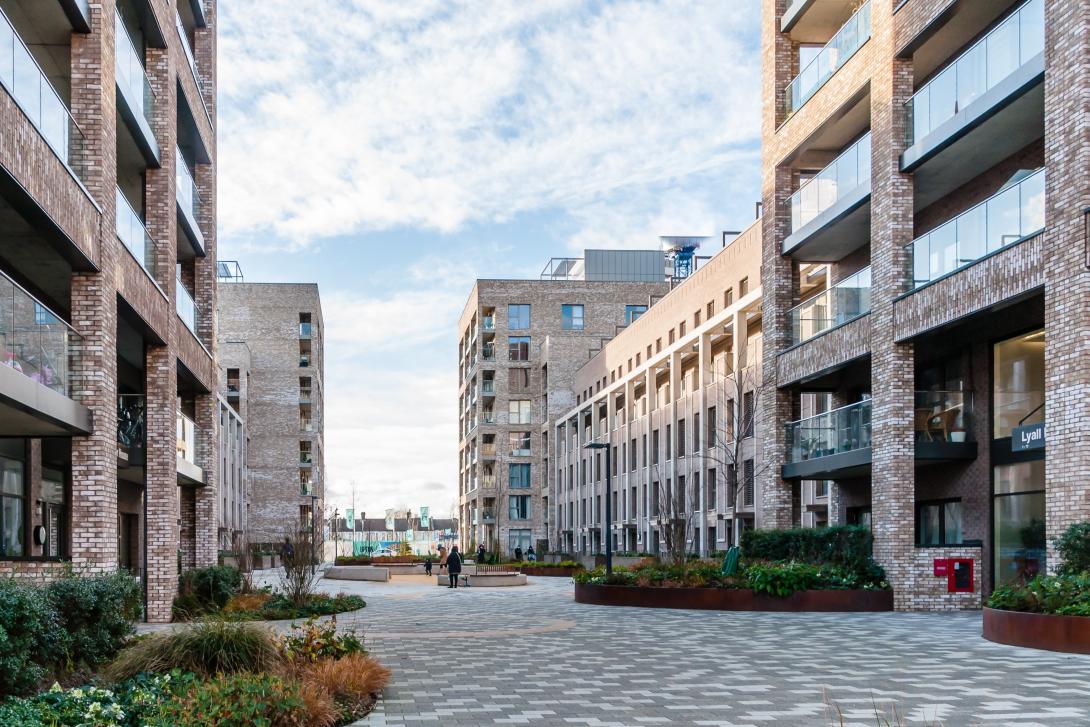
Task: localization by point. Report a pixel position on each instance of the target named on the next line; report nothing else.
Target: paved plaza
(533, 656)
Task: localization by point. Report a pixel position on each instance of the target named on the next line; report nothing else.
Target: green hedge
(71, 622)
(848, 546)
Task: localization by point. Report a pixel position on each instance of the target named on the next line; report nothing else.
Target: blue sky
(395, 151)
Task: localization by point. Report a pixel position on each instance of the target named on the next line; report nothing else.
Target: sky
(393, 151)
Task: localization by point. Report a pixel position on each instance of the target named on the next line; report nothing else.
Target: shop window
(1018, 509)
(1018, 383)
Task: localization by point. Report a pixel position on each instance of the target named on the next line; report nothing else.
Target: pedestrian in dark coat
(454, 566)
(518, 553)
(480, 554)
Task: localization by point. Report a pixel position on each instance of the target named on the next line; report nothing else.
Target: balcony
(488, 387)
(488, 418)
(488, 515)
(188, 470)
(844, 302)
(132, 428)
(488, 323)
(830, 213)
(488, 352)
(984, 106)
(304, 330)
(811, 21)
(306, 425)
(135, 98)
(133, 234)
(233, 389)
(189, 202)
(488, 451)
(29, 86)
(306, 459)
(186, 307)
(40, 352)
(1008, 217)
(850, 38)
(304, 396)
(190, 59)
(837, 441)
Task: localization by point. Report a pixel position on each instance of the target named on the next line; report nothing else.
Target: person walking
(442, 557)
(530, 554)
(454, 566)
(427, 566)
(480, 554)
(518, 553)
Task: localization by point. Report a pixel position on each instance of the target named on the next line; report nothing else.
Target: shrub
(205, 590)
(130, 703)
(781, 579)
(844, 545)
(1063, 595)
(244, 602)
(205, 648)
(97, 613)
(312, 641)
(238, 700)
(1073, 547)
(280, 607)
(352, 678)
(30, 636)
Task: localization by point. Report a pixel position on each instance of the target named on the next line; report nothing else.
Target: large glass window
(519, 507)
(632, 312)
(518, 348)
(518, 476)
(54, 516)
(571, 317)
(518, 411)
(938, 523)
(1018, 383)
(1019, 515)
(518, 316)
(518, 538)
(12, 508)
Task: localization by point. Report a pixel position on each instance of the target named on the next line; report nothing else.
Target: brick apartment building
(520, 342)
(933, 156)
(673, 399)
(271, 350)
(107, 289)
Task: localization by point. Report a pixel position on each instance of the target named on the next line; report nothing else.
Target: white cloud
(369, 115)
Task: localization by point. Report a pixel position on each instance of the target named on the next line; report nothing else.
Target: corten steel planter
(1070, 634)
(538, 571)
(731, 599)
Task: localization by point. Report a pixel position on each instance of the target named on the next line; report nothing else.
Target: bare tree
(246, 562)
(733, 448)
(301, 556)
(676, 501)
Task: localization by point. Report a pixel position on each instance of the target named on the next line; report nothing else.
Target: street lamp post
(609, 505)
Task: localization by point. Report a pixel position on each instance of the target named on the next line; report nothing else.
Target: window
(305, 455)
(743, 287)
(305, 483)
(518, 538)
(681, 438)
(668, 456)
(632, 312)
(728, 297)
(518, 348)
(696, 432)
(1018, 507)
(518, 476)
(54, 513)
(709, 310)
(696, 319)
(747, 414)
(1018, 383)
(711, 427)
(658, 345)
(613, 462)
(518, 317)
(711, 485)
(232, 381)
(732, 486)
(681, 329)
(571, 317)
(671, 336)
(632, 455)
(938, 523)
(655, 447)
(518, 380)
(12, 508)
(518, 411)
(655, 498)
(747, 483)
(520, 443)
(304, 325)
(518, 507)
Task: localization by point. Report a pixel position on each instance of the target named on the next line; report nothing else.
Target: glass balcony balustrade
(133, 234)
(180, 27)
(187, 439)
(845, 301)
(488, 387)
(129, 67)
(834, 432)
(186, 307)
(28, 84)
(1005, 49)
(187, 193)
(1014, 213)
(131, 420)
(34, 341)
(488, 323)
(850, 38)
(847, 172)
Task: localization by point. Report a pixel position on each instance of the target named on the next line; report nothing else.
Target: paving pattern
(532, 656)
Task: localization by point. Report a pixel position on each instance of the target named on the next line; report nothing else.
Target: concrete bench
(358, 573)
(484, 580)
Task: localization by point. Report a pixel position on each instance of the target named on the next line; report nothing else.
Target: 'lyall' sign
(1031, 436)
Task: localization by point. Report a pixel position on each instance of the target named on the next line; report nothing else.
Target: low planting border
(1069, 634)
(732, 599)
(566, 572)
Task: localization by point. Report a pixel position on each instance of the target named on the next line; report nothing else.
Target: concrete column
(94, 302)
